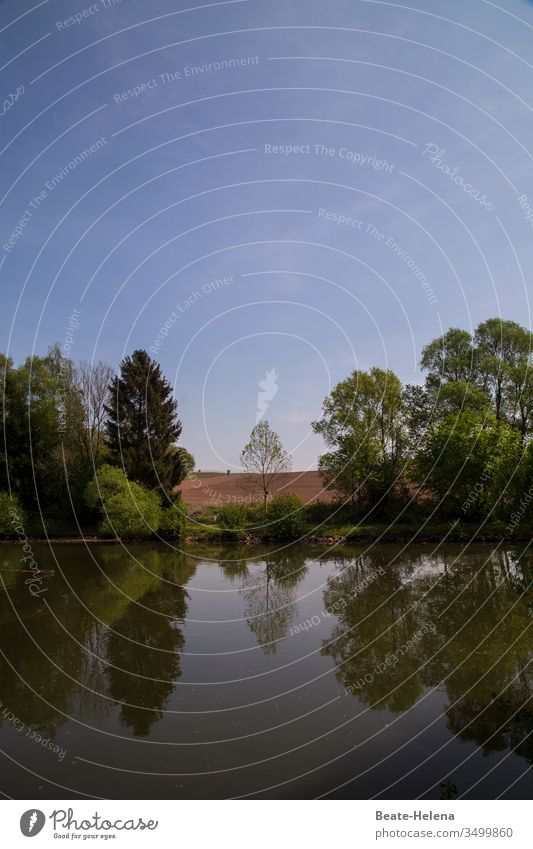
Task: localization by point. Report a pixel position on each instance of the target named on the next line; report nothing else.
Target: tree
(504, 353)
(91, 381)
(460, 460)
(128, 509)
(142, 424)
(449, 357)
(33, 409)
(265, 458)
(427, 405)
(364, 422)
(186, 460)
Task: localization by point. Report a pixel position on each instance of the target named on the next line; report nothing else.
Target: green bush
(173, 519)
(129, 510)
(11, 515)
(232, 518)
(285, 517)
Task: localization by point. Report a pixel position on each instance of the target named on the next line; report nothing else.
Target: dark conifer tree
(142, 424)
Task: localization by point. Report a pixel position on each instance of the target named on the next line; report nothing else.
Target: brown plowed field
(230, 489)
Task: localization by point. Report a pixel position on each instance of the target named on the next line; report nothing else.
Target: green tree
(173, 518)
(128, 509)
(35, 400)
(364, 422)
(504, 354)
(186, 460)
(142, 424)
(425, 406)
(450, 357)
(265, 459)
(460, 460)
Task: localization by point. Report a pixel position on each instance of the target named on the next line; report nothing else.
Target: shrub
(129, 510)
(11, 515)
(108, 481)
(173, 519)
(232, 518)
(285, 517)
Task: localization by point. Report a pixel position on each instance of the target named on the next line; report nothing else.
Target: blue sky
(284, 178)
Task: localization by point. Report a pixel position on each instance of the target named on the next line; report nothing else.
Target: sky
(264, 194)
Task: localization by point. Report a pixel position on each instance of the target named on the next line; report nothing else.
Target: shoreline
(377, 534)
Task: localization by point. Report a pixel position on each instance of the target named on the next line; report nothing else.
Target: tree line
(83, 443)
(457, 446)
(80, 441)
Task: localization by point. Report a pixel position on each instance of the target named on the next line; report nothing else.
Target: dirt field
(230, 489)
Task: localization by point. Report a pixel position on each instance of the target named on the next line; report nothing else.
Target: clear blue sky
(184, 104)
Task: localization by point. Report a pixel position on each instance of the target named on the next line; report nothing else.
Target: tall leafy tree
(364, 423)
(34, 401)
(467, 460)
(449, 357)
(504, 354)
(142, 424)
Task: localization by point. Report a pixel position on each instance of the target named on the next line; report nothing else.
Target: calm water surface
(147, 673)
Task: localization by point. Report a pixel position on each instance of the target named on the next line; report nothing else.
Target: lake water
(395, 672)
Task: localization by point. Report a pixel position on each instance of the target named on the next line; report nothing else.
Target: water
(147, 673)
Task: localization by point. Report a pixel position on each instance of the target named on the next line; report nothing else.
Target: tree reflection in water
(476, 644)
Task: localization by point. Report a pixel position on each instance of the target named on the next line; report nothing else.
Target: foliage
(463, 457)
(264, 458)
(11, 515)
(186, 460)
(450, 357)
(285, 517)
(232, 518)
(129, 510)
(142, 424)
(504, 354)
(173, 519)
(364, 422)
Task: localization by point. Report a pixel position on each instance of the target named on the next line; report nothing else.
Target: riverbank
(433, 533)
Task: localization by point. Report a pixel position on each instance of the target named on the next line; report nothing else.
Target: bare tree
(265, 458)
(92, 382)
